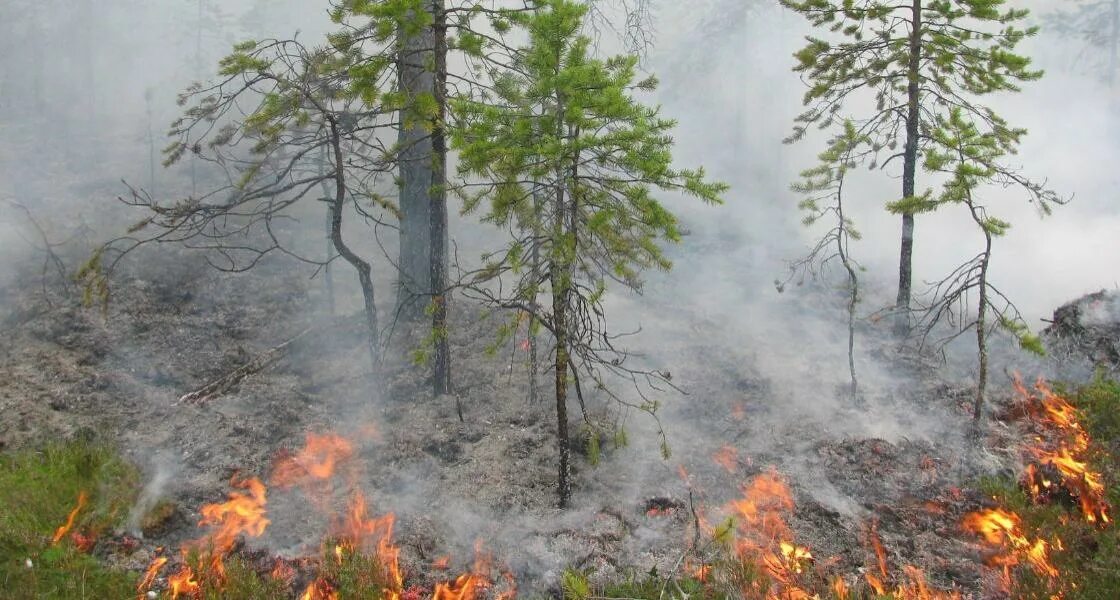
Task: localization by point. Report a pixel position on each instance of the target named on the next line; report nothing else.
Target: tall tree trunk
(560, 282)
(441, 366)
(909, 168)
(362, 267)
(558, 279)
(416, 78)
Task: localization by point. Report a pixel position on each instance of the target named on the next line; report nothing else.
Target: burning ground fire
(354, 538)
(768, 562)
(763, 541)
(1060, 454)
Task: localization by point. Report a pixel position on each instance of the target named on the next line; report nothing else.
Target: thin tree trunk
(535, 259)
(441, 367)
(559, 276)
(415, 162)
(909, 168)
(328, 277)
(981, 320)
(853, 285)
(558, 280)
(361, 266)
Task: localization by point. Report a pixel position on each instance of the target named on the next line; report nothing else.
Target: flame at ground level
(65, 527)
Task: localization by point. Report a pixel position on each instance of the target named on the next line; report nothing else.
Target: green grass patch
(38, 490)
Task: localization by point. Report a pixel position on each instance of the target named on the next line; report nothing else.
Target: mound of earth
(1088, 327)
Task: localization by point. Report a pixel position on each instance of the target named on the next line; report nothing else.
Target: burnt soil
(173, 325)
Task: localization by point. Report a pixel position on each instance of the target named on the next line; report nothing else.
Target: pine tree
(972, 160)
(823, 190)
(916, 59)
(568, 160)
(412, 40)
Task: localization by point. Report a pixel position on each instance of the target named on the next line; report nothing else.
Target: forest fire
(1061, 461)
(765, 540)
(314, 466)
(727, 457)
(1002, 530)
(65, 527)
(354, 539)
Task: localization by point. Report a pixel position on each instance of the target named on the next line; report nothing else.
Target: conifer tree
(972, 160)
(409, 41)
(823, 190)
(568, 160)
(916, 59)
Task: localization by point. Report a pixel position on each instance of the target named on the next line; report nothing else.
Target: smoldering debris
(1088, 329)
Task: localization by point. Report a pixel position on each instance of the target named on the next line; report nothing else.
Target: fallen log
(227, 382)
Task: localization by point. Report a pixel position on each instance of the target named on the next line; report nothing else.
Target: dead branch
(227, 382)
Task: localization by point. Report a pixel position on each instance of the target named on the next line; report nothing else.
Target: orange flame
(282, 571)
(727, 457)
(764, 539)
(357, 532)
(84, 542)
(183, 583)
(1003, 529)
(241, 513)
(1065, 457)
(65, 527)
(150, 576)
(313, 466)
(470, 586)
(319, 590)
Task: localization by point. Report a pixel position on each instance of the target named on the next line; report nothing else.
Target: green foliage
(965, 50)
(356, 575)
(38, 489)
(575, 584)
(568, 121)
(593, 447)
(92, 280)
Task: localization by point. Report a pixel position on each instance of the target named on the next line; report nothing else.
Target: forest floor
(896, 458)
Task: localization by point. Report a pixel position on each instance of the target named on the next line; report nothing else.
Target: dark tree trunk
(361, 266)
(441, 365)
(416, 78)
(909, 168)
(558, 279)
